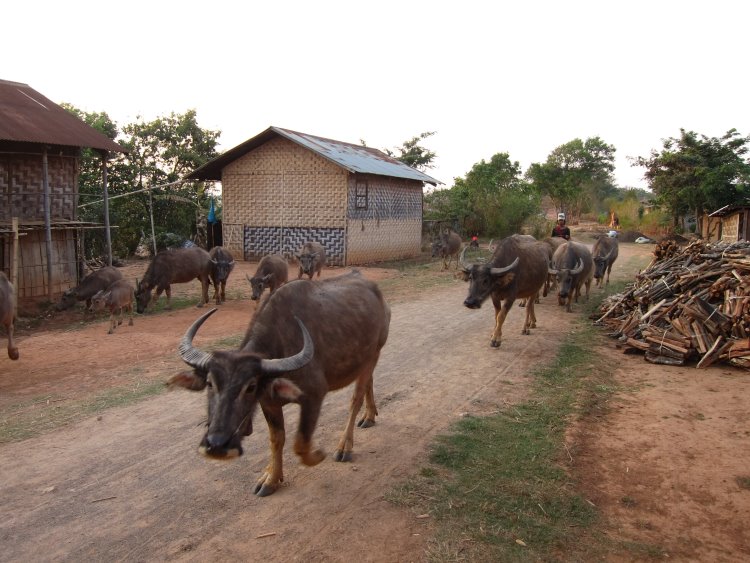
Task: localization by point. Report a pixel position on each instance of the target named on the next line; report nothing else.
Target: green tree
(492, 200)
(413, 154)
(576, 175)
(695, 173)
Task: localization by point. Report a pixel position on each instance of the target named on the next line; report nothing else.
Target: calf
(91, 284)
(447, 247)
(222, 263)
(312, 259)
(605, 253)
(118, 297)
(272, 273)
(7, 313)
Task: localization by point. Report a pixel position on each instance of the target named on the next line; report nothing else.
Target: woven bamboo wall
(729, 227)
(22, 191)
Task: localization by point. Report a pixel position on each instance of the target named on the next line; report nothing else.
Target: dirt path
(129, 485)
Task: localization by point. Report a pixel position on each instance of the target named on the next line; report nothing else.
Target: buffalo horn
(551, 271)
(190, 355)
(578, 269)
(499, 271)
(292, 362)
(250, 281)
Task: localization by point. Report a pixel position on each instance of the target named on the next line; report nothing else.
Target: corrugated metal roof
(27, 116)
(354, 158)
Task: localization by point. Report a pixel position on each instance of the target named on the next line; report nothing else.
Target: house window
(361, 195)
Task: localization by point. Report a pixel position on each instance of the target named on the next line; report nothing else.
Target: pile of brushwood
(691, 304)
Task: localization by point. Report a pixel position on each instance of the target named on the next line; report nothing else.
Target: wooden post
(14, 265)
(47, 221)
(151, 215)
(107, 232)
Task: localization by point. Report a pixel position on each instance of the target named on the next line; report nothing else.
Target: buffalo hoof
(365, 423)
(111, 331)
(342, 456)
(263, 490)
(526, 331)
(13, 353)
(495, 343)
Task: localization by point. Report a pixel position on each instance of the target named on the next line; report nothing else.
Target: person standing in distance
(560, 230)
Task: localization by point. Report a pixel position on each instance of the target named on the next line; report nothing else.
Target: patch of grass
(32, 418)
(744, 482)
(495, 480)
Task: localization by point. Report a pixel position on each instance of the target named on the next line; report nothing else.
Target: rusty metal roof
(27, 116)
(354, 158)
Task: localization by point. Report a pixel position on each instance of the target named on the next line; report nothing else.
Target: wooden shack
(40, 149)
(730, 223)
(282, 188)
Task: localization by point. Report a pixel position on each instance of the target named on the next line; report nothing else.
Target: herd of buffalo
(307, 337)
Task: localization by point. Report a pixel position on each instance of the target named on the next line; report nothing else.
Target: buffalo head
(142, 295)
(258, 285)
(484, 279)
(236, 381)
(307, 262)
(600, 264)
(565, 278)
(221, 269)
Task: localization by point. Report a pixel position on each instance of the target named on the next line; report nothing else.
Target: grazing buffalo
(515, 270)
(605, 253)
(447, 247)
(118, 297)
(306, 339)
(573, 266)
(272, 273)
(90, 285)
(7, 313)
(311, 259)
(222, 263)
(179, 265)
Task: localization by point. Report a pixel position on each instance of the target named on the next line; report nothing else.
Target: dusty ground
(127, 484)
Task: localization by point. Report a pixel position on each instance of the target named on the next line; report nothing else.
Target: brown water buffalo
(573, 266)
(305, 340)
(91, 284)
(118, 298)
(179, 265)
(272, 273)
(515, 270)
(447, 247)
(222, 263)
(311, 259)
(605, 253)
(7, 313)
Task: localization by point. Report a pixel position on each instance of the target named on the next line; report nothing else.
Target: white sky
(488, 77)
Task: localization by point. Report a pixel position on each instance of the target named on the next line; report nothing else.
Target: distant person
(474, 242)
(560, 230)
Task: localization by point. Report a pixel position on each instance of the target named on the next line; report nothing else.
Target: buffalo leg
(12, 349)
(308, 420)
(130, 311)
(530, 321)
(371, 409)
(502, 307)
(362, 387)
(273, 475)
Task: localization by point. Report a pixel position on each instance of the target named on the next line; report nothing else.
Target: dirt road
(129, 485)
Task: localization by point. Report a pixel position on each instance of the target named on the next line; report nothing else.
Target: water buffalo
(554, 243)
(179, 265)
(311, 259)
(272, 273)
(91, 284)
(447, 247)
(605, 253)
(222, 263)
(306, 339)
(118, 297)
(573, 266)
(515, 270)
(7, 313)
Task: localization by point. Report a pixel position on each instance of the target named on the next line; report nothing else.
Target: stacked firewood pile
(690, 304)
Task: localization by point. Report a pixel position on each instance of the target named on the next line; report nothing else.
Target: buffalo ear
(282, 388)
(193, 380)
(267, 278)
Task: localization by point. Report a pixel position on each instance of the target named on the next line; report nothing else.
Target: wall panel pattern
(287, 241)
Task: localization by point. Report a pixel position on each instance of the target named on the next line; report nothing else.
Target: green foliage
(413, 154)
(159, 152)
(492, 200)
(695, 173)
(576, 175)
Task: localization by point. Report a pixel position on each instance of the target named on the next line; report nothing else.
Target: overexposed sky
(520, 77)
